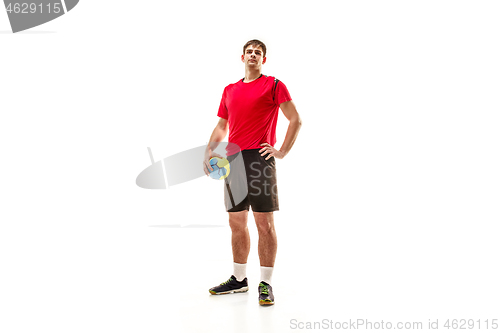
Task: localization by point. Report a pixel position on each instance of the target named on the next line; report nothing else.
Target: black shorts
(251, 183)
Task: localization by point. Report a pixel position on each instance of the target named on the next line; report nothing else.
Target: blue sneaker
(266, 296)
(230, 286)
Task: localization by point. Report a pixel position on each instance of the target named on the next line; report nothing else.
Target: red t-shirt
(252, 111)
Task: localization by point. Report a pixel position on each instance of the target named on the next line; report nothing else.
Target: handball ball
(221, 168)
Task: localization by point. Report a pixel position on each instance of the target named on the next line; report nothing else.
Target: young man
(249, 110)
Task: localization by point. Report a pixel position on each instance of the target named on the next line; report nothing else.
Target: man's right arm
(219, 133)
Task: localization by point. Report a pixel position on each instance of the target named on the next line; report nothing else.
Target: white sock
(266, 273)
(240, 271)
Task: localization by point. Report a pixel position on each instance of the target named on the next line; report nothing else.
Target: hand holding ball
(221, 168)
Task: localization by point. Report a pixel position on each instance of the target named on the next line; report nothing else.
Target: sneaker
(266, 296)
(230, 286)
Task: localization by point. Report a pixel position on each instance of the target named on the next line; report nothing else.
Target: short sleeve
(281, 93)
(222, 107)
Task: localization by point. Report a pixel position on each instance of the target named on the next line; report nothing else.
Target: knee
(238, 225)
(264, 226)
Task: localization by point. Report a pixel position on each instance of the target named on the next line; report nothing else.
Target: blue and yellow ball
(221, 168)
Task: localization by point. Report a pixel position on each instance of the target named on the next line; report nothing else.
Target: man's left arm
(293, 117)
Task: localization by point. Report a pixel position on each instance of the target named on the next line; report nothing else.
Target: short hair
(255, 43)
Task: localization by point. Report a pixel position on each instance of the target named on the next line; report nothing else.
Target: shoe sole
(266, 302)
(241, 290)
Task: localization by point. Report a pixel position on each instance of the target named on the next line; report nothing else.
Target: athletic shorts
(251, 183)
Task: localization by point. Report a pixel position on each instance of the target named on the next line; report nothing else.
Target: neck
(251, 74)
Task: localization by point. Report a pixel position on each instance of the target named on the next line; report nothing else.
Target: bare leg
(268, 242)
(240, 237)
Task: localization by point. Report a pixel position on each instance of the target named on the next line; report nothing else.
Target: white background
(389, 198)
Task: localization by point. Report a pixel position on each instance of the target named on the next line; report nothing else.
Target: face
(253, 57)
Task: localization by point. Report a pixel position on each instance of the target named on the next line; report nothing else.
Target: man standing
(249, 110)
